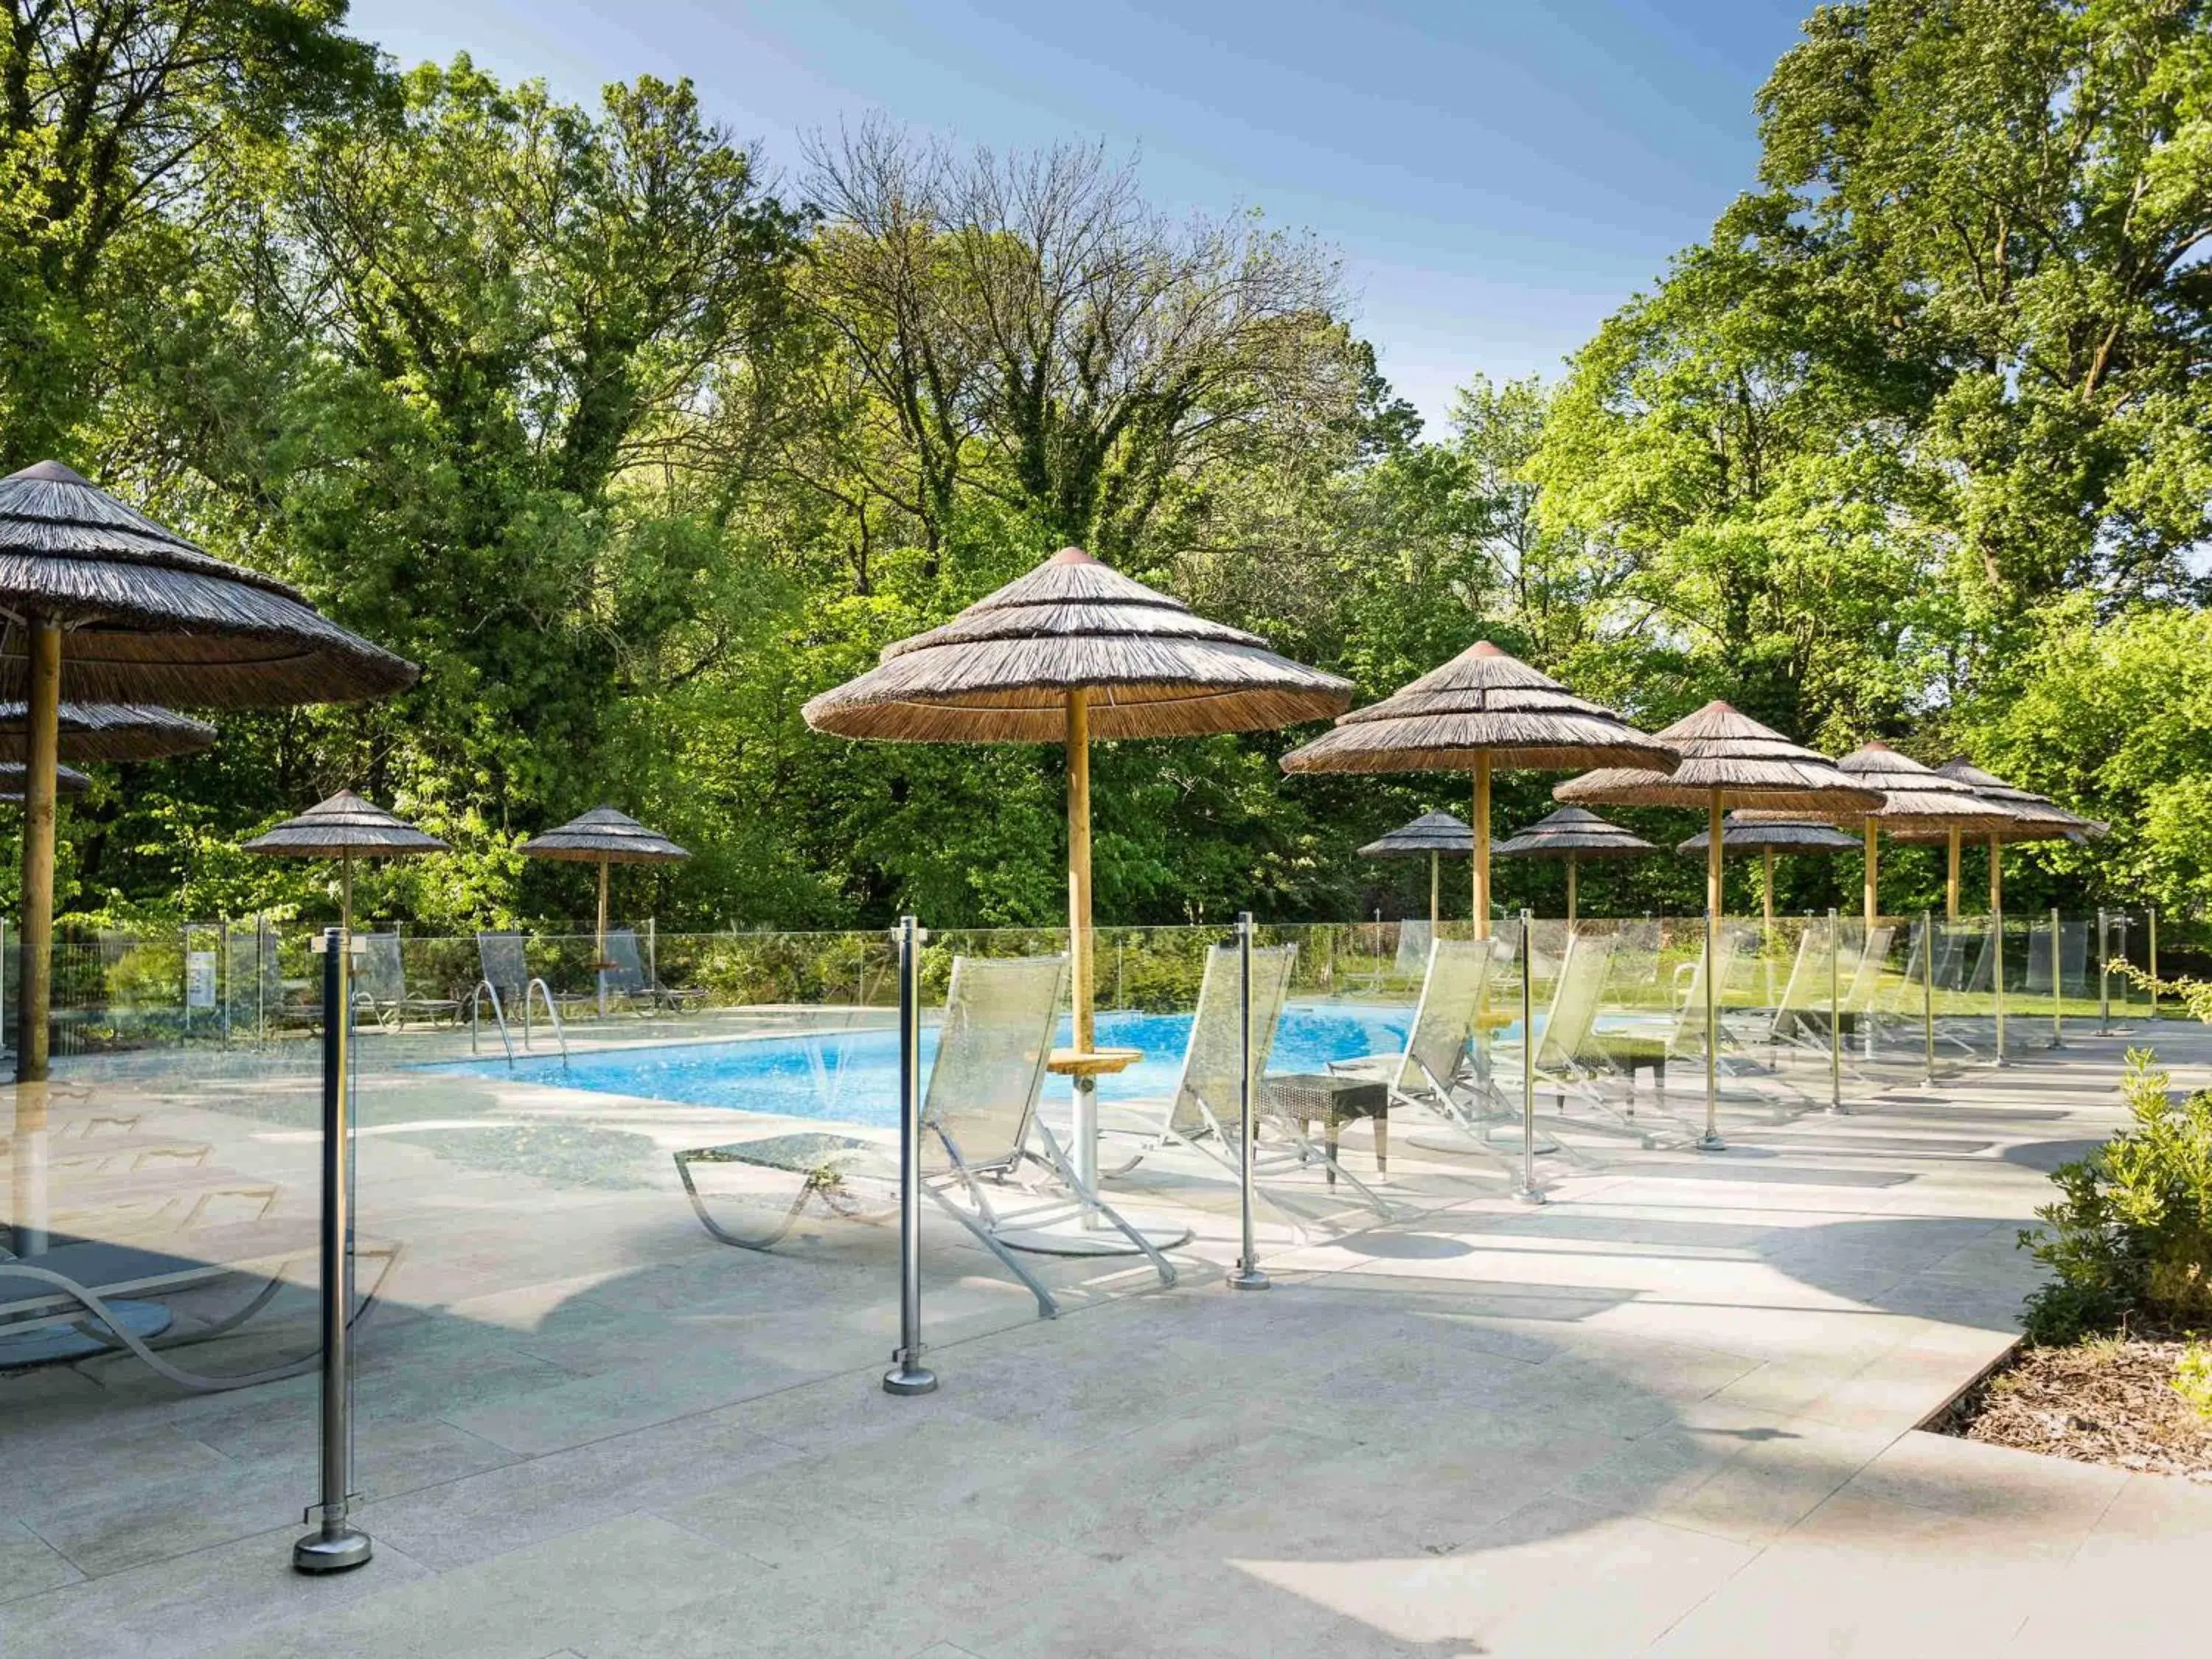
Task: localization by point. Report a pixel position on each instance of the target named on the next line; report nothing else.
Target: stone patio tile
(187, 1604)
(529, 1501)
(28, 1562)
(569, 1591)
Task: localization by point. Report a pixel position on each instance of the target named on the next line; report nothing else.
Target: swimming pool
(852, 1077)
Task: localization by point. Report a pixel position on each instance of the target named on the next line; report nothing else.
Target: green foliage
(2192, 1378)
(2130, 1234)
(635, 455)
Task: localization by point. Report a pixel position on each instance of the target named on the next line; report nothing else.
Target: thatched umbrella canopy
(1729, 759)
(2026, 816)
(68, 780)
(1918, 801)
(1574, 835)
(345, 828)
(108, 732)
(1483, 708)
(1073, 651)
(1767, 834)
(149, 617)
(1436, 836)
(604, 836)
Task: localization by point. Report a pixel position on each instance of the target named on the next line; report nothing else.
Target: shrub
(2130, 1234)
(2192, 1378)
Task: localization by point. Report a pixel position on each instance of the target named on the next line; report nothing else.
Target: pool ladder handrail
(535, 987)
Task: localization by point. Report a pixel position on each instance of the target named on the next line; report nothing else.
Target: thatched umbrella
(1729, 759)
(1767, 834)
(1481, 710)
(1438, 834)
(2027, 816)
(345, 828)
(1918, 801)
(68, 780)
(1073, 651)
(149, 617)
(1573, 835)
(108, 732)
(604, 836)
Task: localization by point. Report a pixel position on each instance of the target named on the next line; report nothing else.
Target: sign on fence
(199, 979)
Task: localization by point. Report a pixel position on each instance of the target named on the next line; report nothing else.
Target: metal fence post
(1247, 1275)
(1997, 978)
(2057, 980)
(336, 1544)
(1710, 1141)
(908, 1374)
(2103, 976)
(1529, 1192)
(2150, 917)
(1835, 1016)
(1928, 996)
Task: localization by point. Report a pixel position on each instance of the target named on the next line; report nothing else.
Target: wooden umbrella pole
(34, 983)
(1571, 891)
(1951, 879)
(1482, 846)
(1435, 907)
(603, 910)
(1873, 872)
(1079, 862)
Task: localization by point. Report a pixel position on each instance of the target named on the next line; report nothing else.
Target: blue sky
(1498, 177)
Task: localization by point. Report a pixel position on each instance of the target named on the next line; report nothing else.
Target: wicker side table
(1309, 1098)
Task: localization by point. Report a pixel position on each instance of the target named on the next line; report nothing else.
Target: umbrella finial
(1074, 555)
(52, 472)
(1485, 648)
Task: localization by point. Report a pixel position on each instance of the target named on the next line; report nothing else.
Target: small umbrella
(108, 731)
(1729, 759)
(1767, 834)
(604, 836)
(1437, 835)
(1573, 835)
(1481, 710)
(68, 780)
(1918, 800)
(345, 827)
(147, 617)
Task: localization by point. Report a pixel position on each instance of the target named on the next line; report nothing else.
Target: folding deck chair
(381, 988)
(626, 976)
(1202, 1114)
(1566, 1056)
(1436, 1069)
(982, 1135)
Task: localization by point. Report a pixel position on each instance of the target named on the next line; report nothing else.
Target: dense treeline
(636, 453)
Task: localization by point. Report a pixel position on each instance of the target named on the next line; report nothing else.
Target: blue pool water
(851, 1077)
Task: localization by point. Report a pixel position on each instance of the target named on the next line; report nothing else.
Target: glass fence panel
(160, 1197)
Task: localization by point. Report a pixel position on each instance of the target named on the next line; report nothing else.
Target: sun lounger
(1567, 1057)
(626, 977)
(982, 1141)
(1202, 1113)
(63, 1303)
(1436, 1071)
(380, 987)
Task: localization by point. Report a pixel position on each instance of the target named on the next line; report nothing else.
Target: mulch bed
(2109, 1400)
